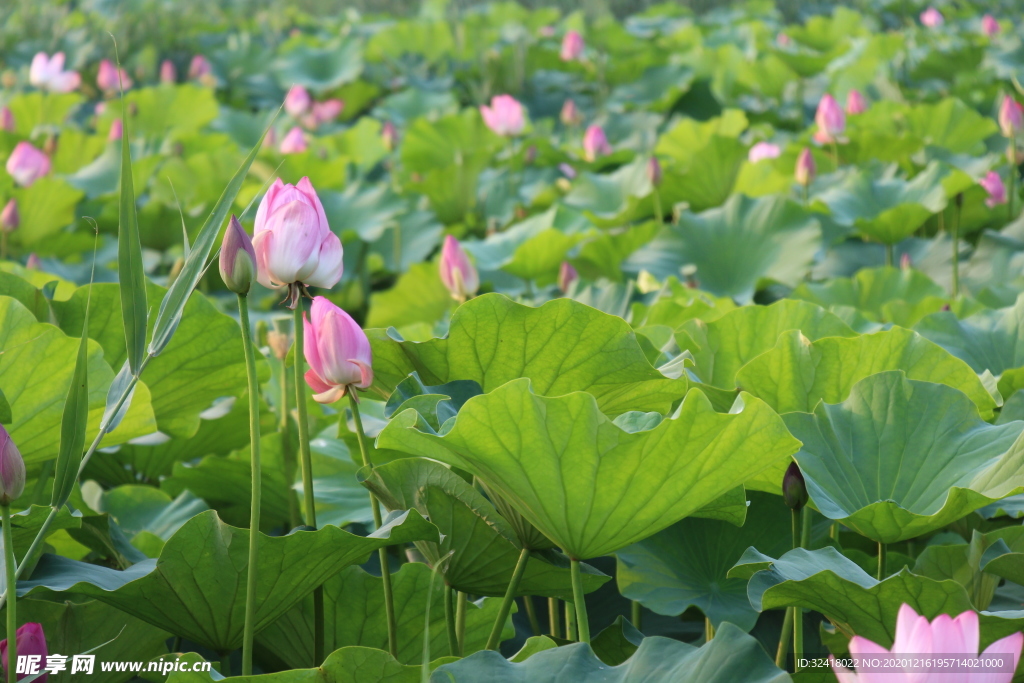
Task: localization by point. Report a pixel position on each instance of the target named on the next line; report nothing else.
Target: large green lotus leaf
(656, 90)
(451, 141)
(355, 616)
(185, 108)
(616, 198)
(203, 361)
(887, 209)
(47, 207)
(562, 346)
(797, 373)
(950, 124)
(319, 69)
(35, 108)
(968, 563)
(75, 627)
(1005, 560)
(587, 484)
(828, 582)
(707, 177)
(27, 523)
(900, 458)
(688, 135)
(196, 588)
(535, 248)
(723, 346)
(483, 545)
(409, 104)
(36, 367)
(418, 296)
(686, 564)
(877, 293)
(732, 656)
(679, 304)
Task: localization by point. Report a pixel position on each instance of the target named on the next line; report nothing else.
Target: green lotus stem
(449, 620)
(658, 211)
(3, 245)
(954, 234)
(1013, 179)
(835, 155)
(531, 614)
(889, 253)
(506, 603)
(581, 606)
(257, 483)
(285, 427)
(460, 619)
(881, 561)
(554, 625)
(225, 663)
(382, 553)
(570, 621)
(801, 522)
(636, 615)
(12, 583)
(787, 630)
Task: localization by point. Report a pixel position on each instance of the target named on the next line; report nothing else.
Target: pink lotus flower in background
(270, 139)
(31, 642)
(570, 114)
(783, 40)
(855, 103)
(595, 143)
(12, 469)
(294, 142)
(325, 112)
(572, 46)
(237, 258)
(337, 351)
(27, 164)
(654, 171)
(905, 262)
(107, 77)
(806, 169)
(567, 170)
(830, 119)
(457, 272)
(989, 25)
(199, 67)
(389, 136)
(101, 108)
(993, 184)
(297, 101)
(33, 262)
(763, 150)
(1011, 116)
(48, 73)
(916, 636)
(168, 72)
(504, 116)
(566, 276)
(932, 18)
(546, 31)
(6, 119)
(293, 242)
(116, 130)
(10, 218)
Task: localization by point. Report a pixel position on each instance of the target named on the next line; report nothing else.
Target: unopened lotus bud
(389, 136)
(905, 261)
(654, 171)
(794, 489)
(237, 259)
(33, 262)
(571, 114)
(1011, 116)
(457, 272)
(12, 469)
(567, 275)
(10, 219)
(6, 119)
(806, 169)
(168, 72)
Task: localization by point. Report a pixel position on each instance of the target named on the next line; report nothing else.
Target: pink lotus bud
(389, 136)
(325, 112)
(763, 150)
(504, 116)
(168, 72)
(237, 258)
(116, 130)
(1011, 116)
(12, 469)
(595, 143)
(783, 40)
(855, 103)
(199, 67)
(567, 170)
(337, 351)
(292, 239)
(33, 262)
(30, 641)
(546, 31)
(101, 108)
(989, 25)
(806, 169)
(10, 219)
(572, 46)
(27, 164)
(932, 18)
(905, 261)
(457, 273)
(294, 142)
(297, 101)
(270, 139)
(654, 171)
(830, 118)
(566, 276)
(107, 77)
(6, 119)
(571, 114)
(993, 184)
(48, 73)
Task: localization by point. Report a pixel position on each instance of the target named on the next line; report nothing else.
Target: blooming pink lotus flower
(830, 119)
(337, 351)
(916, 636)
(297, 101)
(855, 103)
(6, 119)
(116, 130)
(292, 240)
(107, 77)
(457, 272)
(1011, 116)
(806, 169)
(570, 114)
(566, 276)
(993, 184)
(595, 143)
(932, 18)
(504, 116)
(168, 72)
(48, 73)
(237, 258)
(30, 641)
(12, 469)
(572, 46)
(10, 218)
(199, 67)
(294, 142)
(27, 164)
(989, 25)
(762, 151)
